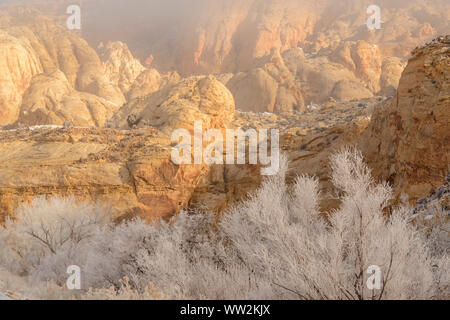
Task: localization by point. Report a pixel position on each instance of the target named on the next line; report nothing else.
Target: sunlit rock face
(408, 140)
(18, 64)
(120, 65)
(50, 99)
(132, 170)
(223, 36)
(324, 48)
(405, 141)
(310, 69)
(292, 80)
(31, 45)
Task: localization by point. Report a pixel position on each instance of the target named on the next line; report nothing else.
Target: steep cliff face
(281, 54)
(239, 32)
(408, 140)
(230, 35)
(224, 36)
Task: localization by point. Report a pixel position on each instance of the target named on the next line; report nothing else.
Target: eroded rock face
(391, 71)
(322, 78)
(342, 60)
(363, 59)
(52, 76)
(350, 70)
(307, 139)
(120, 65)
(270, 87)
(32, 44)
(224, 36)
(150, 81)
(408, 140)
(201, 98)
(50, 99)
(130, 169)
(287, 82)
(18, 64)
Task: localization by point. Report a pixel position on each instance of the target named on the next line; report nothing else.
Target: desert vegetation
(275, 245)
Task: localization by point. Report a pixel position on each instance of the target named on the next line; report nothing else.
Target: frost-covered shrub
(47, 232)
(28, 287)
(124, 292)
(275, 245)
(110, 256)
(434, 222)
(176, 256)
(281, 237)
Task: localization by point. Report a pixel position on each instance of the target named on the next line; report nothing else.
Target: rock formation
(129, 169)
(132, 169)
(18, 65)
(254, 40)
(126, 169)
(269, 87)
(120, 65)
(224, 36)
(31, 44)
(202, 99)
(50, 99)
(408, 140)
(279, 63)
(282, 83)
(150, 81)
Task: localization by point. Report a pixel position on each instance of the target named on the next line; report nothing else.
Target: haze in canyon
(88, 113)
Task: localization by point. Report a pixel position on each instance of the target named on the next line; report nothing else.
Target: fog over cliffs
(205, 36)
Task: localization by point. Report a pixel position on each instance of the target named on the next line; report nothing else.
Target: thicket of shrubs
(275, 245)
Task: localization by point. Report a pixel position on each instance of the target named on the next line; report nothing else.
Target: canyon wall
(408, 140)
